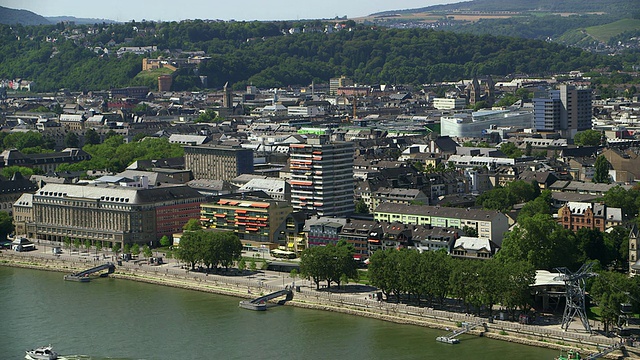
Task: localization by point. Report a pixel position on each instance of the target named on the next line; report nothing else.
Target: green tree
(462, 280)
(91, 137)
(361, 207)
(67, 242)
(135, 249)
(540, 205)
(601, 174)
(627, 200)
(115, 247)
(609, 289)
(76, 244)
(294, 274)
(252, 265)
(165, 241)
(528, 149)
(189, 249)
(519, 276)
(71, 140)
(146, 251)
(541, 241)
(588, 138)
(126, 249)
(510, 149)
(314, 264)
(192, 225)
(383, 272)
(6, 224)
(26, 172)
(242, 264)
(470, 231)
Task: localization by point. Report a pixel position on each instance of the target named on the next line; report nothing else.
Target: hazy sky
(163, 10)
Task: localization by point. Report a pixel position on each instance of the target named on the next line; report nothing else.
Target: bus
(281, 254)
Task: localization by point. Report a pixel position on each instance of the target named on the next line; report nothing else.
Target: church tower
(227, 97)
(473, 91)
(489, 91)
(634, 264)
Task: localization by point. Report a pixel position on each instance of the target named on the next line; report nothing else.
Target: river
(120, 319)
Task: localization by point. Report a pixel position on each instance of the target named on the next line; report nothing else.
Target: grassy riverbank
(245, 288)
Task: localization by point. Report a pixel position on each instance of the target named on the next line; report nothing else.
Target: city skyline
(163, 10)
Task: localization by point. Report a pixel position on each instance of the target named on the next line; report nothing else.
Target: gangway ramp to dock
(452, 337)
(260, 303)
(604, 351)
(83, 276)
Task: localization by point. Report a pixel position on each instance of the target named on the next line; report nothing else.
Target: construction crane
(575, 284)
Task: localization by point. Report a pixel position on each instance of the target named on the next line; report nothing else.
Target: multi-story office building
(567, 109)
(322, 177)
(112, 214)
(253, 218)
(218, 162)
(335, 83)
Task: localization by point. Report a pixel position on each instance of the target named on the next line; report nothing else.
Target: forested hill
(617, 7)
(258, 53)
(23, 17)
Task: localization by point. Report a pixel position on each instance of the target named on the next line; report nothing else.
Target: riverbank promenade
(355, 299)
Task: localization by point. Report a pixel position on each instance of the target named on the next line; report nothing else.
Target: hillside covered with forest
(55, 57)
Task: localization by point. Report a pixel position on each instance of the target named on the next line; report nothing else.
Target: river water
(120, 319)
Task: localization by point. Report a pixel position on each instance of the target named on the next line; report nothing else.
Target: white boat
(448, 340)
(42, 353)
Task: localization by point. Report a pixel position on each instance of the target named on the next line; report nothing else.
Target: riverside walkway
(306, 295)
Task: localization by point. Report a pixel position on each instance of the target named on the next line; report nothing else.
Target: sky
(165, 10)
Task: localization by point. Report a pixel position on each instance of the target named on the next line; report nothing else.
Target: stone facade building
(111, 214)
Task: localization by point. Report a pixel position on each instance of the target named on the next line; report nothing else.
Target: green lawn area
(150, 77)
(605, 32)
(593, 313)
(363, 277)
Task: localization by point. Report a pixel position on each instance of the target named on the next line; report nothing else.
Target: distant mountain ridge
(79, 21)
(618, 7)
(25, 17)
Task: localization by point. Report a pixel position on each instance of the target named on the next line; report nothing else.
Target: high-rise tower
(567, 110)
(322, 177)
